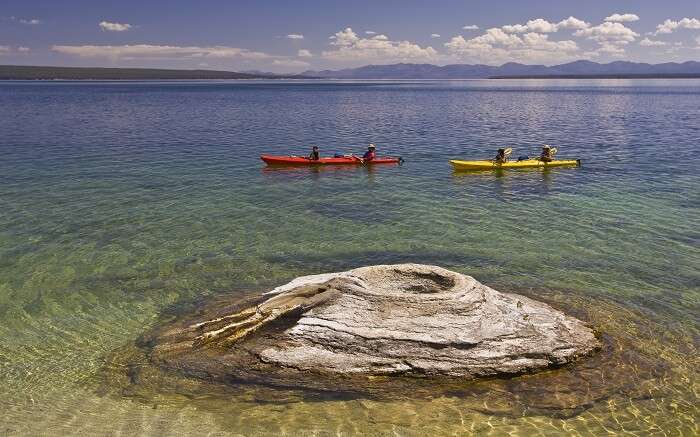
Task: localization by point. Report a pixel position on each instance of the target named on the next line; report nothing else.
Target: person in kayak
(501, 157)
(314, 155)
(370, 154)
(546, 155)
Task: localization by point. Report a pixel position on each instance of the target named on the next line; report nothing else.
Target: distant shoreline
(48, 73)
(603, 76)
(20, 72)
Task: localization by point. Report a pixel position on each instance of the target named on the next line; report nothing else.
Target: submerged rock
(406, 319)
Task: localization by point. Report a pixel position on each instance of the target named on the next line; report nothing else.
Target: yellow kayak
(527, 163)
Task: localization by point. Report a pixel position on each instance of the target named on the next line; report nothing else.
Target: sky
(299, 35)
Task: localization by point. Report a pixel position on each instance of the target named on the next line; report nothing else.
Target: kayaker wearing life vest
(501, 156)
(314, 155)
(546, 155)
(370, 153)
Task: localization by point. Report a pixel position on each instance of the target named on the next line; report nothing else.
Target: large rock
(405, 319)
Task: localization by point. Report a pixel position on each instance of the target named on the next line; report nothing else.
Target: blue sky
(286, 36)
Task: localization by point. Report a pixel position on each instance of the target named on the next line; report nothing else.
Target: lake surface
(122, 204)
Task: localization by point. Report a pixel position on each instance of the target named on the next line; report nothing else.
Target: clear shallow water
(120, 202)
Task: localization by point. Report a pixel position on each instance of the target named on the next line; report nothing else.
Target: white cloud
(540, 41)
(147, 51)
(573, 23)
(290, 63)
(108, 26)
(370, 32)
(608, 32)
(348, 46)
(612, 37)
(345, 38)
(610, 49)
(459, 45)
(470, 27)
(646, 42)
(295, 36)
(622, 18)
(201, 56)
(497, 36)
(7, 49)
(515, 28)
(31, 21)
(540, 25)
(592, 54)
(498, 46)
(435, 35)
(670, 26)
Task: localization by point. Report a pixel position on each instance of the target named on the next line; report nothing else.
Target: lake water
(122, 204)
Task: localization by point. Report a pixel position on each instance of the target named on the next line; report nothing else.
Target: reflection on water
(121, 207)
(514, 185)
(320, 173)
(302, 171)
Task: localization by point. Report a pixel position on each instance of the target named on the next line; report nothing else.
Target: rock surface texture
(405, 319)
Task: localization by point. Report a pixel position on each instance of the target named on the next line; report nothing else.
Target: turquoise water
(124, 202)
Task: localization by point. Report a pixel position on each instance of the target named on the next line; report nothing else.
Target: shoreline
(51, 73)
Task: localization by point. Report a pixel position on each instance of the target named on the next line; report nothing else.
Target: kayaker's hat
(371, 146)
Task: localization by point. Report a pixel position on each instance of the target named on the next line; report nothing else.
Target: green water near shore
(94, 294)
(97, 244)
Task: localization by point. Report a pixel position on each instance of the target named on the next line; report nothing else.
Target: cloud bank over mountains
(147, 51)
(670, 26)
(537, 40)
(347, 45)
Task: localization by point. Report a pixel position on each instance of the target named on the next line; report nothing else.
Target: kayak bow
(527, 163)
(345, 160)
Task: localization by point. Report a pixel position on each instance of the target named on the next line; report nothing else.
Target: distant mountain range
(578, 69)
(22, 72)
(512, 70)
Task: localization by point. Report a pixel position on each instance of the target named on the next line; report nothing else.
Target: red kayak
(345, 160)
